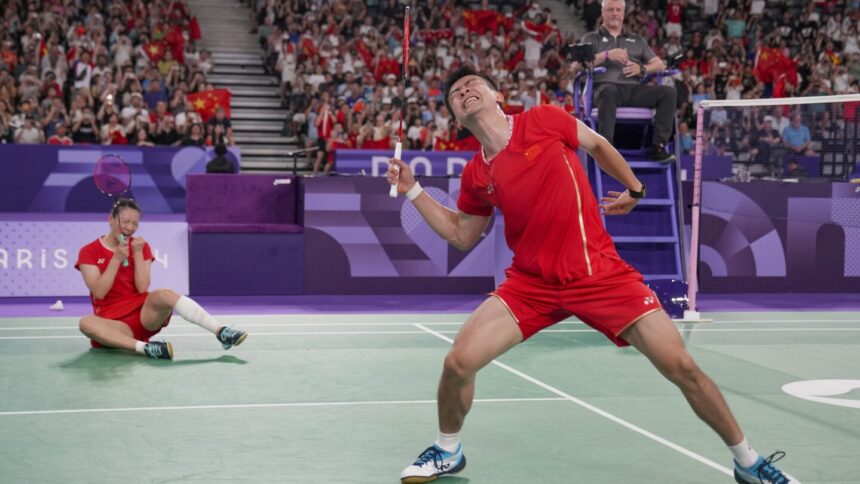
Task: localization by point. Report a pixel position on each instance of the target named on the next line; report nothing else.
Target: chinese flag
(194, 29)
(155, 51)
(767, 63)
(206, 102)
(176, 43)
(481, 20)
(771, 64)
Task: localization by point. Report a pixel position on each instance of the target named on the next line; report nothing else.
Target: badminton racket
(112, 177)
(398, 147)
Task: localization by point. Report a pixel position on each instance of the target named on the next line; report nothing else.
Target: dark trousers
(608, 97)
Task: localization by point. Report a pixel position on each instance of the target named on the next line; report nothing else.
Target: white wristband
(413, 192)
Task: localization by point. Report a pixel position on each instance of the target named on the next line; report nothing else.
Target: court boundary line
(701, 325)
(357, 333)
(264, 405)
(598, 411)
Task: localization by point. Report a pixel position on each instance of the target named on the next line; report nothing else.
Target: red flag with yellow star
(206, 102)
(481, 20)
(155, 51)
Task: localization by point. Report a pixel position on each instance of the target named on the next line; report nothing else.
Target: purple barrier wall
(38, 251)
(423, 163)
(358, 240)
(713, 167)
(448, 163)
(245, 234)
(245, 203)
(772, 237)
(45, 178)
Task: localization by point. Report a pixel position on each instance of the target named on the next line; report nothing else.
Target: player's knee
(86, 325)
(165, 297)
(684, 371)
(457, 365)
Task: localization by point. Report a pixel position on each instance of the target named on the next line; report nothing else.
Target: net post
(692, 312)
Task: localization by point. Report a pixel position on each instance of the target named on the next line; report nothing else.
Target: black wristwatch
(639, 194)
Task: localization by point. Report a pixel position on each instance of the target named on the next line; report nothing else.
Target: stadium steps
(568, 20)
(256, 112)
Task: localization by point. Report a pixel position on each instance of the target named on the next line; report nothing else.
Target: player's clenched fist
(400, 174)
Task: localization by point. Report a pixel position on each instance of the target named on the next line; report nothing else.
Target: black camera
(582, 53)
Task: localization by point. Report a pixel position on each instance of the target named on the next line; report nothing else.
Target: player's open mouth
(469, 100)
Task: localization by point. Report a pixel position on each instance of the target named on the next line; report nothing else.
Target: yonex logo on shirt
(101, 261)
(649, 300)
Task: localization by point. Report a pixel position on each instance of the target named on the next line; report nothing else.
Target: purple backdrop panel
(256, 228)
(423, 163)
(246, 264)
(47, 178)
(242, 199)
(38, 252)
(713, 167)
(767, 237)
(374, 244)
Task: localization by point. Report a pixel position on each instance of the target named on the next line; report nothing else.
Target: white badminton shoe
(433, 463)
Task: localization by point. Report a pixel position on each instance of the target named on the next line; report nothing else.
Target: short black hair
(123, 203)
(461, 72)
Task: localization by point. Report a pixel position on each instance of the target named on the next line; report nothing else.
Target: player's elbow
(460, 243)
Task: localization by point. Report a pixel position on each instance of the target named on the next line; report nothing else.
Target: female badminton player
(116, 269)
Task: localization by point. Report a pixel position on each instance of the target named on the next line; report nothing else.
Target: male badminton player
(125, 315)
(564, 264)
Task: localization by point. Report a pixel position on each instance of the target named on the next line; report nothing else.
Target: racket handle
(121, 239)
(398, 150)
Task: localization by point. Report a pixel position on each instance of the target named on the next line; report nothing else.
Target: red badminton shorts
(609, 302)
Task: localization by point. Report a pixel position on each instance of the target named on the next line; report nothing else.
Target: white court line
(780, 321)
(592, 408)
(457, 323)
(355, 333)
(265, 405)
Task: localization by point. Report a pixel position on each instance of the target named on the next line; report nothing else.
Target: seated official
(627, 57)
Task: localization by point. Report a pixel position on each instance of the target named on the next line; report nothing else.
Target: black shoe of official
(659, 154)
(158, 350)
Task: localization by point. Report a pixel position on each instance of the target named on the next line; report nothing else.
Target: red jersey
(122, 298)
(60, 140)
(552, 219)
(673, 13)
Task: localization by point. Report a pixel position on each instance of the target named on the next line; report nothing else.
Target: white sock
(744, 454)
(138, 346)
(448, 442)
(193, 313)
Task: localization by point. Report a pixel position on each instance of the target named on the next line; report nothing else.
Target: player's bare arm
(611, 161)
(141, 267)
(460, 229)
(99, 283)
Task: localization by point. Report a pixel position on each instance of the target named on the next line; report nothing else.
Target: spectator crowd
(339, 65)
(103, 72)
(76, 71)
